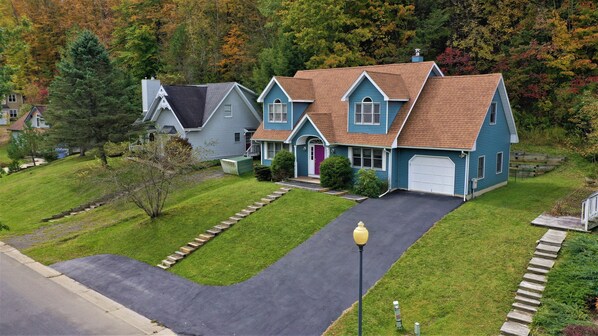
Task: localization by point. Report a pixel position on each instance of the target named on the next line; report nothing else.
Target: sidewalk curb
(136, 320)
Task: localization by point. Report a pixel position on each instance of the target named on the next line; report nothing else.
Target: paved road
(30, 304)
(301, 294)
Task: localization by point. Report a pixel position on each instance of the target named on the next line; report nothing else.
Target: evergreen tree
(91, 101)
(4, 70)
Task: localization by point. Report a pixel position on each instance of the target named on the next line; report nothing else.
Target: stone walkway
(560, 222)
(203, 238)
(530, 289)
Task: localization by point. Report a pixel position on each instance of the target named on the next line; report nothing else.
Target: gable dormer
(284, 100)
(374, 101)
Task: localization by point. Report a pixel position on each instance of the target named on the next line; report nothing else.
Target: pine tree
(4, 70)
(91, 101)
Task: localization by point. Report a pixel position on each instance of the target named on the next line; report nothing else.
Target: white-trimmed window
(12, 98)
(228, 111)
(371, 158)
(13, 113)
(499, 162)
(277, 112)
(272, 148)
(367, 112)
(481, 166)
(493, 113)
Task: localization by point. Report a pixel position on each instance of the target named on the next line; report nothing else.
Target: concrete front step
(193, 244)
(241, 215)
(213, 231)
(254, 207)
(186, 249)
(260, 204)
(545, 255)
(164, 267)
(182, 254)
(527, 301)
(548, 248)
(529, 294)
(536, 278)
(235, 218)
(530, 286)
(514, 329)
(201, 240)
(524, 308)
(355, 198)
(541, 263)
(222, 227)
(168, 262)
(519, 317)
(228, 222)
(174, 257)
(553, 237)
(535, 270)
(336, 192)
(280, 193)
(266, 200)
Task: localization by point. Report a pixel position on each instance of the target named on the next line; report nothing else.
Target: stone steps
(529, 293)
(212, 232)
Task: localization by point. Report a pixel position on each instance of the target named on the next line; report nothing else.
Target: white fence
(589, 212)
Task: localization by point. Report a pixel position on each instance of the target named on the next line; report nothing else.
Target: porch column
(295, 152)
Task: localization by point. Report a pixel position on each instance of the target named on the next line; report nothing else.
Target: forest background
(546, 50)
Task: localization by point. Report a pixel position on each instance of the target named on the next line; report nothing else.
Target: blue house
(418, 129)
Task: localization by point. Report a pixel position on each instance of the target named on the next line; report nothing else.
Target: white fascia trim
(157, 99)
(246, 88)
(437, 70)
(361, 145)
(260, 99)
(437, 148)
(502, 91)
(193, 129)
(300, 124)
(163, 101)
(300, 101)
(244, 98)
(395, 141)
(363, 75)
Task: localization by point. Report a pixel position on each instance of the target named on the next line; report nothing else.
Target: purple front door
(319, 157)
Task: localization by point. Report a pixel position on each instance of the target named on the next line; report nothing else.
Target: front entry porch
(310, 151)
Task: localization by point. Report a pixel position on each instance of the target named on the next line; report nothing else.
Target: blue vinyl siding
(395, 171)
(406, 154)
(302, 165)
(306, 129)
(367, 89)
(277, 93)
(298, 109)
(393, 110)
(492, 139)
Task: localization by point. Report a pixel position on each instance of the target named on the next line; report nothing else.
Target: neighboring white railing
(253, 150)
(589, 212)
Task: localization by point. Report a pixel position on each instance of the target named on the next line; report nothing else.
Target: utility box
(237, 165)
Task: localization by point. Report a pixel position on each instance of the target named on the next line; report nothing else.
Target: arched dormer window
(367, 112)
(277, 112)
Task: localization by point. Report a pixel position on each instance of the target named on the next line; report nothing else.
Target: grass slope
(36, 193)
(262, 238)
(461, 276)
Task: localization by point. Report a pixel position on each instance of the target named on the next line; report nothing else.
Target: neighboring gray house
(218, 117)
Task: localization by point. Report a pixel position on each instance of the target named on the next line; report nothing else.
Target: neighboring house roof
(329, 87)
(194, 105)
(450, 112)
(19, 125)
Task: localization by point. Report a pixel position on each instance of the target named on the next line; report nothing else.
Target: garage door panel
(432, 174)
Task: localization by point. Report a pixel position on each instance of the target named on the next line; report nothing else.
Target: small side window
(481, 167)
(228, 111)
(499, 162)
(237, 137)
(492, 113)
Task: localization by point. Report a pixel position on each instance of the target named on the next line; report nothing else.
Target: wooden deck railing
(589, 212)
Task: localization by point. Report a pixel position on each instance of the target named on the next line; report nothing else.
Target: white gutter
(465, 183)
(389, 173)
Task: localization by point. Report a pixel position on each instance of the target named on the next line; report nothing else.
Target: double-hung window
(481, 166)
(367, 112)
(277, 111)
(228, 111)
(499, 162)
(371, 158)
(273, 148)
(493, 113)
(12, 98)
(13, 114)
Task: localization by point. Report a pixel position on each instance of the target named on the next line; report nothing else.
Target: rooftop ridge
(366, 66)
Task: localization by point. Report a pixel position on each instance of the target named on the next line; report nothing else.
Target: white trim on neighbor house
(502, 159)
(300, 124)
(433, 68)
(213, 112)
(358, 81)
(164, 105)
(260, 99)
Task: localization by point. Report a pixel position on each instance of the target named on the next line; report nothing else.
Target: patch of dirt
(56, 231)
(570, 205)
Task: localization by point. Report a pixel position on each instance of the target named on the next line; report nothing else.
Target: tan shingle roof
(19, 124)
(392, 84)
(450, 112)
(323, 121)
(274, 135)
(296, 88)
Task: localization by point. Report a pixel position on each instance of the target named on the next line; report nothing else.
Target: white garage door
(435, 174)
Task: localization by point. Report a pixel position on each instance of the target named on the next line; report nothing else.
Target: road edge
(136, 320)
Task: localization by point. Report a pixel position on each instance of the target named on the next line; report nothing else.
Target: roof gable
(188, 103)
(19, 125)
(391, 86)
(296, 89)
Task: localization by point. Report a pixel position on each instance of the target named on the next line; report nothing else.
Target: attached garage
(434, 174)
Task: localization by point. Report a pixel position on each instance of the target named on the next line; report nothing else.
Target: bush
(368, 184)
(176, 146)
(283, 165)
(49, 155)
(14, 166)
(578, 330)
(263, 173)
(336, 173)
(114, 149)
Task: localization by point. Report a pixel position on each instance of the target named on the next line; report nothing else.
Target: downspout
(389, 172)
(465, 182)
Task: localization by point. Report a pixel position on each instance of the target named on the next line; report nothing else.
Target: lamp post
(360, 236)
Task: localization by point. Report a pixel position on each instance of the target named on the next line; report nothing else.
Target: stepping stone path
(527, 299)
(209, 234)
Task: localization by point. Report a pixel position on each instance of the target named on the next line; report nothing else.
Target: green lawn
(461, 276)
(30, 195)
(262, 238)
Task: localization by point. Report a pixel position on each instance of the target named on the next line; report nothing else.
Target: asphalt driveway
(301, 294)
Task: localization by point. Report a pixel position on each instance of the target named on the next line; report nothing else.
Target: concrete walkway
(37, 300)
(302, 293)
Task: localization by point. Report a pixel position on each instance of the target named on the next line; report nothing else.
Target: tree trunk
(33, 159)
(103, 156)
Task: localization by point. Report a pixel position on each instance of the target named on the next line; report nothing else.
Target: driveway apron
(301, 294)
